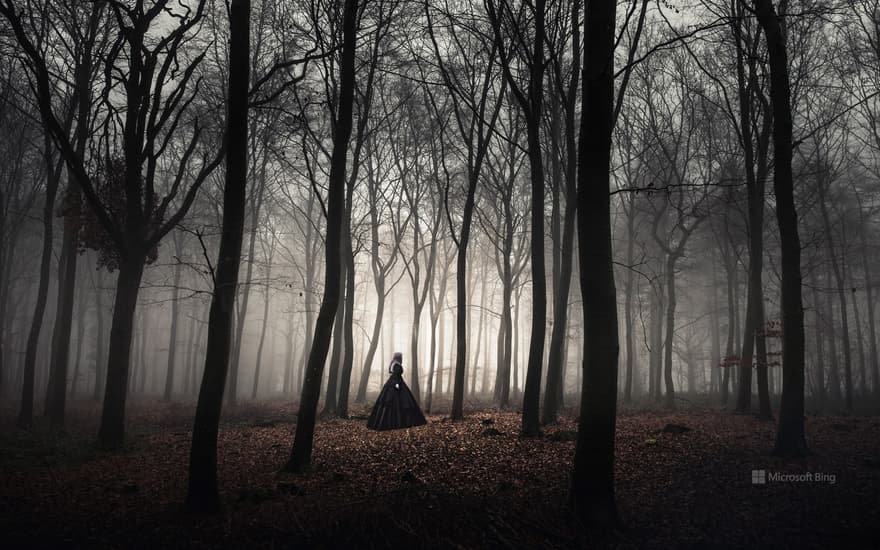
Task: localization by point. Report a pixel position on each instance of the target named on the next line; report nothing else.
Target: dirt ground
(469, 484)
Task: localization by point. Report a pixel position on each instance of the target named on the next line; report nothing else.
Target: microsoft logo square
(759, 477)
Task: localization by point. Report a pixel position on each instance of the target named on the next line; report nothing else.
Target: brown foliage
(444, 485)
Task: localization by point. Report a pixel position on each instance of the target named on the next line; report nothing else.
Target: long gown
(396, 407)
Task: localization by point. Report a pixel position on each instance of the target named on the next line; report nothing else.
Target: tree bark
(172, 336)
(99, 342)
(58, 365)
(628, 306)
(331, 393)
(202, 492)
(669, 396)
(301, 452)
(26, 409)
(592, 486)
(790, 437)
(348, 329)
(263, 328)
(841, 299)
(112, 430)
(532, 391)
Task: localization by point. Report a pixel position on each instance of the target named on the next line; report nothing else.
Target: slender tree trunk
(841, 298)
(232, 389)
(301, 452)
(480, 326)
(764, 410)
(834, 363)
(173, 336)
(715, 327)
(58, 364)
(562, 282)
(26, 410)
(361, 396)
(505, 339)
(112, 430)
(80, 336)
(860, 348)
(99, 345)
(532, 390)
(790, 437)
(348, 329)
(263, 328)
(202, 492)
(669, 399)
(441, 354)
(461, 303)
(336, 354)
(731, 324)
(592, 485)
(819, 367)
(432, 363)
(628, 307)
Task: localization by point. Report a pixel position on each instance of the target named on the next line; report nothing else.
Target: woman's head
(397, 357)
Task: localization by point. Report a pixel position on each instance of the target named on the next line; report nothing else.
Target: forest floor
(469, 484)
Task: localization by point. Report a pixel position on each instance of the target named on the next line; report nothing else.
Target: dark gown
(396, 407)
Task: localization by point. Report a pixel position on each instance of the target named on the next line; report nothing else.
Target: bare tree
(202, 489)
(509, 28)
(301, 452)
(592, 484)
(790, 438)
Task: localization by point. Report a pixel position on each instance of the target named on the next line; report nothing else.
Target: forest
(439, 273)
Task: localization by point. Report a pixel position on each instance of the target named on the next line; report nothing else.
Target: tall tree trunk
(26, 410)
(232, 389)
(99, 343)
(441, 353)
(834, 363)
(532, 390)
(433, 313)
(461, 303)
(628, 306)
(348, 329)
(562, 283)
(301, 452)
(592, 485)
(259, 360)
(336, 354)
(172, 336)
(58, 364)
(860, 348)
(505, 337)
(819, 366)
(361, 396)
(731, 334)
(669, 396)
(516, 344)
(715, 327)
(80, 336)
(111, 433)
(202, 492)
(841, 299)
(287, 385)
(790, 437)
(480, 326)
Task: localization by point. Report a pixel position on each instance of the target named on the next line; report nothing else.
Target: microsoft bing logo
(759, 477)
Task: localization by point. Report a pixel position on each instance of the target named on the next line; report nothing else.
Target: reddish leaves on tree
(110, 186)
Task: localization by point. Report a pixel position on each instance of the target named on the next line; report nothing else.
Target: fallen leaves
(682, 479)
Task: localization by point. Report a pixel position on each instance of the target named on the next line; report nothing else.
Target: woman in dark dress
(396, 407)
